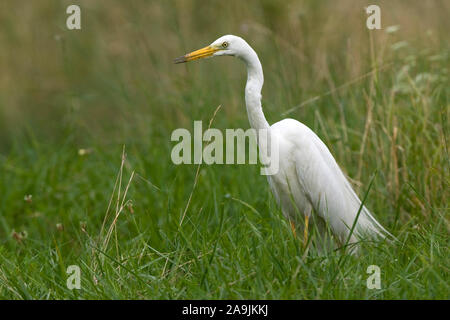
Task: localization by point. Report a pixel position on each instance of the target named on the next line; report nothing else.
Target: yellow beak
(198, 54)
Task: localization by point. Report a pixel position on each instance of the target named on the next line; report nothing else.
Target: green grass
(113, 84)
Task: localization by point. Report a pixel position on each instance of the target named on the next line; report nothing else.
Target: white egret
(309, 180)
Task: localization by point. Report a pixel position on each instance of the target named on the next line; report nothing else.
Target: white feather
(309, 179)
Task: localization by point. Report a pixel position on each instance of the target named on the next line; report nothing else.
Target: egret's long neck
(255, 80)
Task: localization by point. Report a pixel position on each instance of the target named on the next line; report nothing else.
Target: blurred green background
(70, 101)
(115, 79)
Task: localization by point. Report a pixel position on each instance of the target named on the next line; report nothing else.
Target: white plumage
(309, 181)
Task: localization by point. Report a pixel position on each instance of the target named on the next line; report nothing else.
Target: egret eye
(225, 44)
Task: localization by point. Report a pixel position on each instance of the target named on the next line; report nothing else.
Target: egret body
(309, 181)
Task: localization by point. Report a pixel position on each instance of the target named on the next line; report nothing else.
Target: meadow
(86, 176)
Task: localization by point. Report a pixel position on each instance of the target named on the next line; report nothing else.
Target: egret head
(228, 45)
